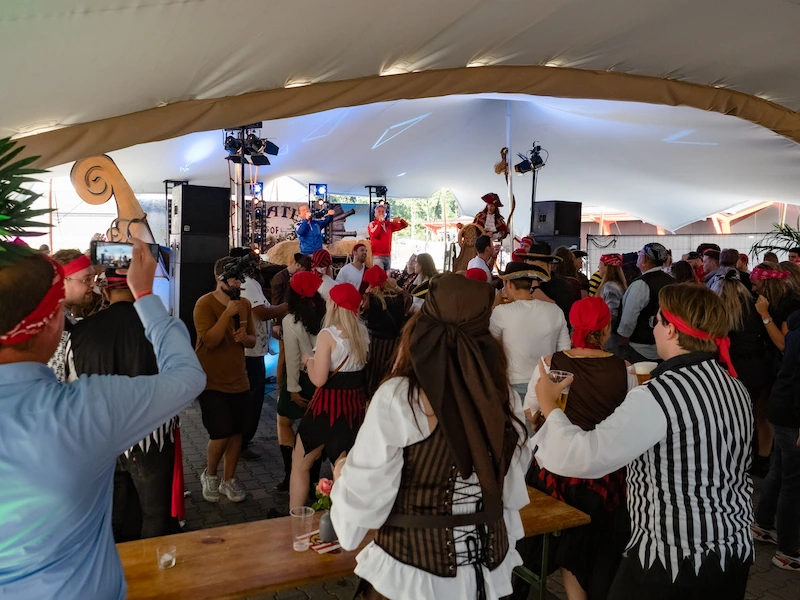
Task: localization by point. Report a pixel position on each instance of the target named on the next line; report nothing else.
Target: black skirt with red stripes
(335, 414)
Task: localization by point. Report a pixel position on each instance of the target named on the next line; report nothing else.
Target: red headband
(526, 241)
(612, 260)
(346, 296)
(761, 274)
(585, 316)
(79, 264)
(35, 322)
(723, 343)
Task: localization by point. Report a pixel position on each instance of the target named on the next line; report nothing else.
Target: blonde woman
(336, 411)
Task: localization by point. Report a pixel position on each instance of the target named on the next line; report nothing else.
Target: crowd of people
(434, 398)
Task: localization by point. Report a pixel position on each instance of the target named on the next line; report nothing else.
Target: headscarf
(321, 258)
(346, 296)
(612, 260)
(585, 316)
(36, 321)
(305, 283)
(761, 274)
(476, 274)
(375, 276)
(656, 252)
(448, 360)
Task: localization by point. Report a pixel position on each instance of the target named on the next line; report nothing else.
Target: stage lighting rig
(531, 163)
(377, 197)
(243, 144)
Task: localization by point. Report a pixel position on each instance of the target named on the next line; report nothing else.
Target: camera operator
(309, 230)
(254, 357)
(225, 327)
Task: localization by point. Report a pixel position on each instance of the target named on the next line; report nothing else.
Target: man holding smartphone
(225, 327)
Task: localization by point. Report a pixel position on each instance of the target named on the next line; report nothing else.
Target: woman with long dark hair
(300, 328)
(683, 272)
(438, 468)
(567, 269)
(425, 270)
(384, 310)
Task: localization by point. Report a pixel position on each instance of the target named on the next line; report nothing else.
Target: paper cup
(643, 370)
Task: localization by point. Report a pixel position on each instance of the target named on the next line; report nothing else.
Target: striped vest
(690, 494)
(422, 530)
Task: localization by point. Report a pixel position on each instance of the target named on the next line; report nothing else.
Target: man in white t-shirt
(485, 258)
(262, 313)
(354, 271)
(528, 328)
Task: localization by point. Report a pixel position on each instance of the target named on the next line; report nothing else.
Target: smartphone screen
(116, 255)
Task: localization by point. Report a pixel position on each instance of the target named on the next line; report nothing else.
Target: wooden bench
(257, 558)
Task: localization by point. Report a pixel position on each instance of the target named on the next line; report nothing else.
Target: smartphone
(116, 255)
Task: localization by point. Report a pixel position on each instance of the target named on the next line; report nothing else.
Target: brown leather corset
(420, 529)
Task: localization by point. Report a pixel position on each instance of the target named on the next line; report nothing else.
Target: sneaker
(761, 534)
(233, 490)
(788, 562)
(210, 486)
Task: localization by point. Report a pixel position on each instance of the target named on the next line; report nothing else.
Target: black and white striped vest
(690, 495)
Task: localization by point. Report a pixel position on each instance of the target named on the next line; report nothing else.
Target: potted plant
(782, 238)
(16, 200)
(323, 493)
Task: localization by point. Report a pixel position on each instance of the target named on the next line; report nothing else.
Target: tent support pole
(510, 178)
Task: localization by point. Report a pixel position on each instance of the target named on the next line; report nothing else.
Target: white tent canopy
(668, 166)
(93, 76)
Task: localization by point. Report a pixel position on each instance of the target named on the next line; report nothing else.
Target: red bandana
(79, 264)
(585, 316)
(35, 322)
(723, 343)
(612, 260)
(346, 296)
(305, 283)
(375, 276)
(761, 274)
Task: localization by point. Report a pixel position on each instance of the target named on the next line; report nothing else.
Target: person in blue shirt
(309, 230)
(59, 441)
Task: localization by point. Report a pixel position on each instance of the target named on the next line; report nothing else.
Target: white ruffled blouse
(365, 493)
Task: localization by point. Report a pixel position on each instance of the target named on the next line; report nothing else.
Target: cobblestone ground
(260, 477)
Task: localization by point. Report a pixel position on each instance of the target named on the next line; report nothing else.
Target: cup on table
(643, 370)
(166, 556)
(556, 376)
(302, 522)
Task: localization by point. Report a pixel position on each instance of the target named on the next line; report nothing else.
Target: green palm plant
(783, 237)
(17, 214)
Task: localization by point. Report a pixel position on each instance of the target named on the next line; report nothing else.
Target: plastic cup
(555, 376)
(302, 522)
(166, 555)
(643, 370)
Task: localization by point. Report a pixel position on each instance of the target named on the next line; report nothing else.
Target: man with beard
(78, 287)
(225, 327)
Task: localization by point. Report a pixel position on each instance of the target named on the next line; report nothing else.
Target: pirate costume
(445, 502)
(335, 413)
(493, 224)
(385, 323)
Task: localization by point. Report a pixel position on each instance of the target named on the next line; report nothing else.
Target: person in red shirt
(380, 236)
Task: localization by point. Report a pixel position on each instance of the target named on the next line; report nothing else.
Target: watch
(766, 320)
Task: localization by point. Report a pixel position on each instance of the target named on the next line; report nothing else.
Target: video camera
(239, 268)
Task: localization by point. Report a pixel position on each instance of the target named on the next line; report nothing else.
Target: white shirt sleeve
(496, 323)
(564, 341)
(252, 291)
(531, 402)
(632, 429)
(292, 352)
(633, 302)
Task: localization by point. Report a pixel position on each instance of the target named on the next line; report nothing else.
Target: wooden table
(257, 558)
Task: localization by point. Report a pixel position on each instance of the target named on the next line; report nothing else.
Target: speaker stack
(198, 237)
(558, 223)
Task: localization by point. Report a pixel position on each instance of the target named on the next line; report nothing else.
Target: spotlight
(532, 162)
(381, 190)
(254, 145)
(232, 145)
(320, 190)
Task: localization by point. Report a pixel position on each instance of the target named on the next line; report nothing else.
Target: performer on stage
(336, 411)
(309, 230)
(490, 218)
(380, 236)
(439, 465)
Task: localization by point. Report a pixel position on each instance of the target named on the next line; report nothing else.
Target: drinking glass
(555, 376)
(302, 521)
(167, 556)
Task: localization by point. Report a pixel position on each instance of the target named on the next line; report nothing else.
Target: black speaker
(198, 238)
(199, 209)
(557, 218)
(560, 240)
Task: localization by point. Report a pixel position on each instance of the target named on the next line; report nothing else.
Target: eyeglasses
(653, 321)
(87, 281)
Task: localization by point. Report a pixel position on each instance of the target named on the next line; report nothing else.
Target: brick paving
(260, 477)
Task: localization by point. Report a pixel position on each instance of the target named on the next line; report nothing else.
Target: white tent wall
(597, 245)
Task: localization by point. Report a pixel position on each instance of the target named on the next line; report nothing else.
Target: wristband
(766, 316)
(142, 294)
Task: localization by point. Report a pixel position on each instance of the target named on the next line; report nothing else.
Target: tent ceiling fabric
(68, 62)
(666, 165)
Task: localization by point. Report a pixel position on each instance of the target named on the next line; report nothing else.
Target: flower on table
(323, 494)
